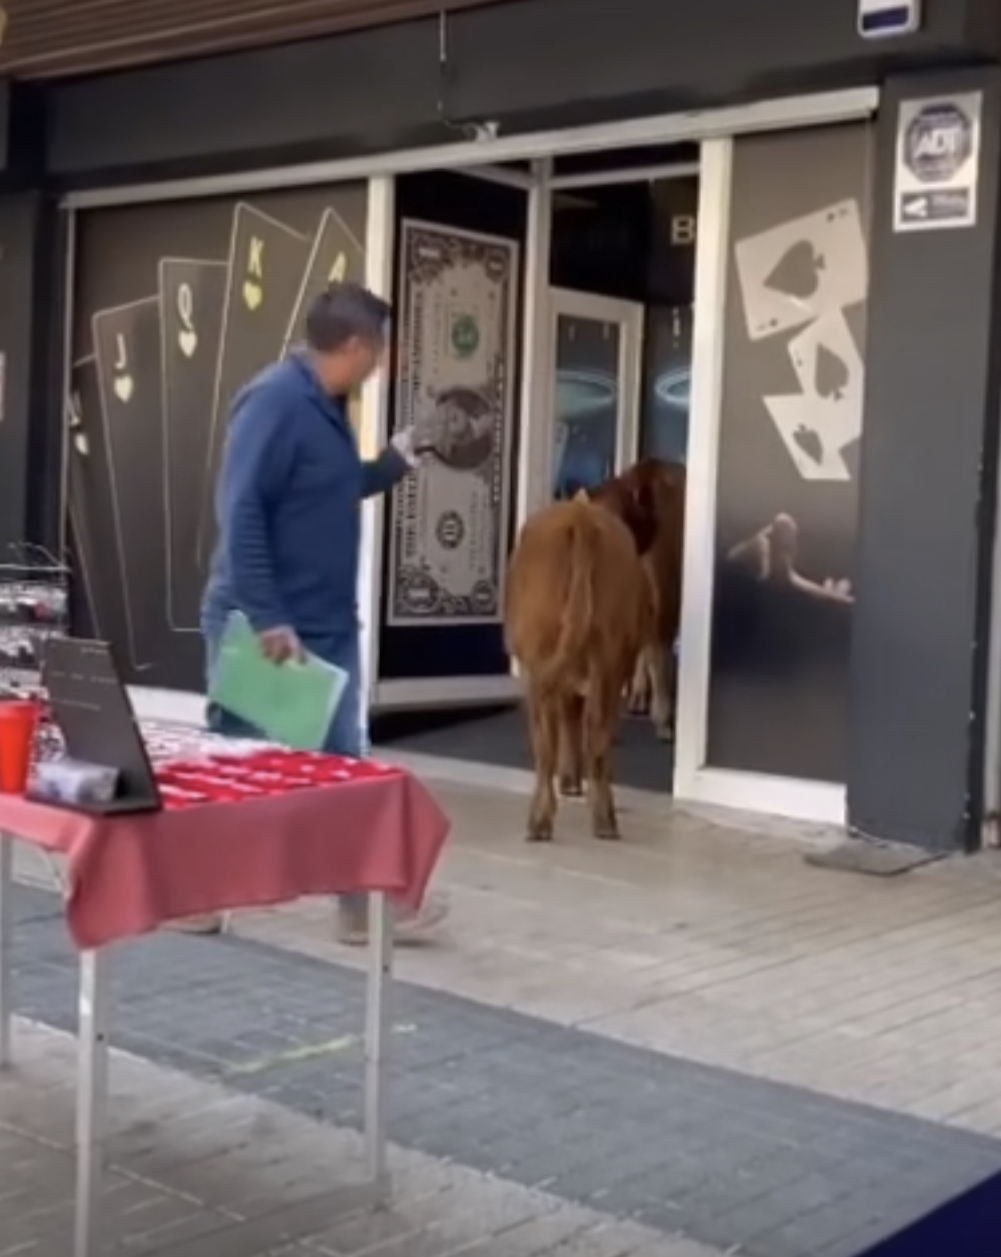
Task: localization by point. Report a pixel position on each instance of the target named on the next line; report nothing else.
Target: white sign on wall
(937, 162)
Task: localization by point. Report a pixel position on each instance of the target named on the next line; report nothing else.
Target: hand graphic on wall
(769, 556)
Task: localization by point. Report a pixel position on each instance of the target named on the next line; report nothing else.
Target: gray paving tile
(719, 1157)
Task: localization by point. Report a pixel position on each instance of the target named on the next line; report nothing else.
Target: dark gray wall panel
(373, 89)
(787, 478)
(30, 338)
(17, 233)
(689, 54)
(528, 64)
(926, 503)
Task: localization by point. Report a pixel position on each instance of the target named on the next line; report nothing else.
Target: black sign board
(92, 709)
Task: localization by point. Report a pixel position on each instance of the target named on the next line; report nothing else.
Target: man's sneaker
(408, 926)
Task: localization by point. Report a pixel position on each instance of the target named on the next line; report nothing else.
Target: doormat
(873, 859)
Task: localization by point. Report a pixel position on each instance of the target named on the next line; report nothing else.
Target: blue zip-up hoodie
(287, 506)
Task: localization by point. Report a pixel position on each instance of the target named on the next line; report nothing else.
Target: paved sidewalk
(720, 1041)
(706, 936)
(200, 1172)
(732, 1162)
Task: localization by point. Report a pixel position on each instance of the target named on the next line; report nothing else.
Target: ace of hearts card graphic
(192, 293)
(267, 262)
(802, 269)
(128, 352)
(336, 255)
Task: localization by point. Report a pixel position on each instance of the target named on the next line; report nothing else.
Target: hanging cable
(468, 130)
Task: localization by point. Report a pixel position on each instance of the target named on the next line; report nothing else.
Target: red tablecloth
(372, 831)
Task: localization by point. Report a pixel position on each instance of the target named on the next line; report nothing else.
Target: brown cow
(652, 687)
(577, 614)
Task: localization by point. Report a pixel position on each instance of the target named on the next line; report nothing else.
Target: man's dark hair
(343, 311)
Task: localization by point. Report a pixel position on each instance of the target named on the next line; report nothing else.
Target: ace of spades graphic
(798, 272)
(831, 375)
(810, 442)
(799, 421)
(801, 269)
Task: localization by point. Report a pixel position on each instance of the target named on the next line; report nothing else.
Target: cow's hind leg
(638, 700)
(571, 755)
(544, 716)
(601, 719)
(662, 677)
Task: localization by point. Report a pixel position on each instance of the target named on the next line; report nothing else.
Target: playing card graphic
(336, 254)
(809, 441)
(128, 352)
(91, 512)
(267, 260)
(830, 370)
(802, 269)
(191, 305)
(797, 274)
(803, 423)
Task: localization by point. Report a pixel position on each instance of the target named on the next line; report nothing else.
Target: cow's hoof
(571, 788)
(607, 832)
(539, 835)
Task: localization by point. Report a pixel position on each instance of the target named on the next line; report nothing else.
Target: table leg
(6, 941)
(92, 1099)
(377, 1025)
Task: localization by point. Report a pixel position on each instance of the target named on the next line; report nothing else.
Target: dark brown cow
(577, 615)
(653, 683)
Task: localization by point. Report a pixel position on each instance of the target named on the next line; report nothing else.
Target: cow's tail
(578, 609)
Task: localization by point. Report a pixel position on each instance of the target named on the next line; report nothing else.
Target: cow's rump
(574, 595)
(577, 613)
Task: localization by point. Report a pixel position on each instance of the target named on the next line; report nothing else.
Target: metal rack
(34, 606)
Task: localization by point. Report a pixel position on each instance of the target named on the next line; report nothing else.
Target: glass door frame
(630, 317)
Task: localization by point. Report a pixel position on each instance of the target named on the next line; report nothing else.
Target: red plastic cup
(18, 721)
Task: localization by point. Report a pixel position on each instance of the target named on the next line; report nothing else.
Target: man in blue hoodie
(288, 508)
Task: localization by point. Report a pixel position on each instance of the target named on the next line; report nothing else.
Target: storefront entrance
(611, 382)
(663, 298)
(762, 357)
(834, 652)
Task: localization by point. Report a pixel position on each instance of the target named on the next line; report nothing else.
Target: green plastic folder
(291, 703)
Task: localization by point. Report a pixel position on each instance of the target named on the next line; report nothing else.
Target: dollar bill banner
(455, 385)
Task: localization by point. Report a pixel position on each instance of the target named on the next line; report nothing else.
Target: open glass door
(597, 348)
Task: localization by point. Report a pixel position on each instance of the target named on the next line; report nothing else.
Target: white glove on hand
(403, 443)
(422, 435)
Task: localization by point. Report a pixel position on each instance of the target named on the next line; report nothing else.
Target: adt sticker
(938, 143)
(938, 156)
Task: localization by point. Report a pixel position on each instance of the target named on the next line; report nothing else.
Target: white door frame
(694, 779)
(630, 316)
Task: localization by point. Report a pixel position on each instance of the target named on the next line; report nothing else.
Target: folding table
(408, 851)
